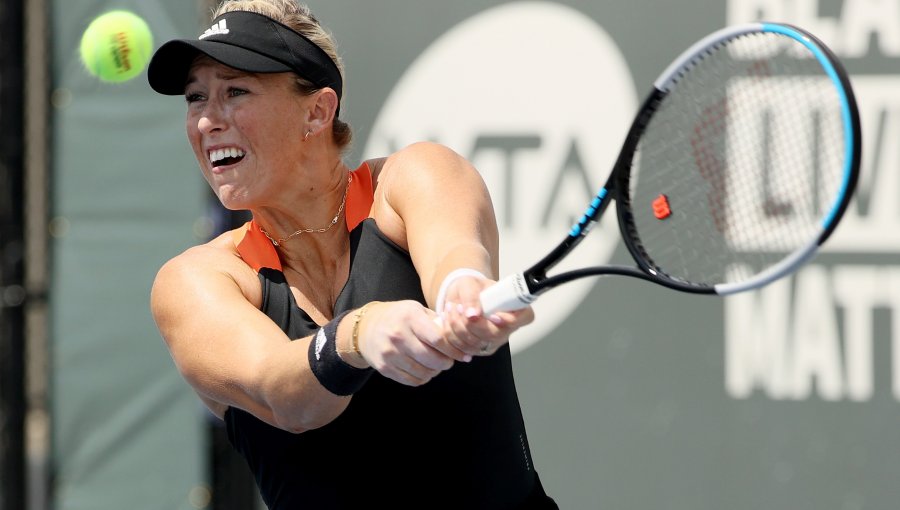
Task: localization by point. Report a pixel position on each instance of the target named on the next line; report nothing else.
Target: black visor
(249, 42)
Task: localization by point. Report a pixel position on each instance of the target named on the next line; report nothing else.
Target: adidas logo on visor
(219, 28)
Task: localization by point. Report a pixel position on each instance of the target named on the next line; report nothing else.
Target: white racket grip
(510, 293)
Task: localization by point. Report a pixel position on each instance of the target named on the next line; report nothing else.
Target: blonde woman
(310, 330)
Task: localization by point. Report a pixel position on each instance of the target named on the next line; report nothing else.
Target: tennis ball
(116, 46)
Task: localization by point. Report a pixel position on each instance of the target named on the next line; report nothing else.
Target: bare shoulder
(423, 170)
(434, 156)
(206, 266)
(420, 179)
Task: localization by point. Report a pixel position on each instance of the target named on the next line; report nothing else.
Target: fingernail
(447, 307)
(472, 312)
(460, 308)
(467, 358)
(496, 319)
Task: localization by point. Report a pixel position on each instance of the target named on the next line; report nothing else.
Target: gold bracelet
(354, 335)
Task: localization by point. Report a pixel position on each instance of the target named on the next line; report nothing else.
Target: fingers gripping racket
(738, 166)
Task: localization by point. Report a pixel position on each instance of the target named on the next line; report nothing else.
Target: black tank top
(456, 442)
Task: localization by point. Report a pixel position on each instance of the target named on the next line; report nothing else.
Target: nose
(212, 118)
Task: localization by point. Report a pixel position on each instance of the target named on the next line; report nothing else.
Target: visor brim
(170, 65)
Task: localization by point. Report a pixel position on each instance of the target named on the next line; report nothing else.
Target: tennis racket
(738, 166)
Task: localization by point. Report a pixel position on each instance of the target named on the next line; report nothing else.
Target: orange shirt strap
(254, 247)
(360, 196)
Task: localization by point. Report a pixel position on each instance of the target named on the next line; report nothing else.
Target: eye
(193, 97)
(234, 92)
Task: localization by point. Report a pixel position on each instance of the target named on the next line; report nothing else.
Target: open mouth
(225, 157)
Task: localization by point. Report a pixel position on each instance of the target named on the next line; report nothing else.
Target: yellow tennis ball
(116, 46)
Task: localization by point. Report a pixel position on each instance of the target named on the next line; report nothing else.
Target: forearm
(330, 369)
(274, 382)
(277, 389)
(289, 394)
(471, 255)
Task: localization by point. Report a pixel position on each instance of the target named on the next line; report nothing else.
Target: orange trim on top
(257, 250)
(359, 197)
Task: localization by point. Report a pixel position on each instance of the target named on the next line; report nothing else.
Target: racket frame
(535, 280)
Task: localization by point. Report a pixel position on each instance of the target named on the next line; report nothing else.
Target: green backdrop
(126, 430)
(636, 398)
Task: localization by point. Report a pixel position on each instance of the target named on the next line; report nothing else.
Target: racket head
(741, 162)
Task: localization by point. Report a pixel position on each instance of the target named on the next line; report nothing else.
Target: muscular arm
(433, 203)
(229, 351)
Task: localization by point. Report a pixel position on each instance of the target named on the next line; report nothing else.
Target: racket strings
(745, 154)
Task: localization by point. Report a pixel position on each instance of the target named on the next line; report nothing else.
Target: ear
(323, 106)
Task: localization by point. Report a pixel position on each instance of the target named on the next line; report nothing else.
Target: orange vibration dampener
(661, 207)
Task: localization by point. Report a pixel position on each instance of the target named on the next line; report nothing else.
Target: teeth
(220, 154)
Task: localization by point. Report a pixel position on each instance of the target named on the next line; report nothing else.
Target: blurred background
(635, 397)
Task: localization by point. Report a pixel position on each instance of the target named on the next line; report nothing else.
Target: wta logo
(541, 112)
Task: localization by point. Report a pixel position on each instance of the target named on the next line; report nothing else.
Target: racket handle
(510, 293)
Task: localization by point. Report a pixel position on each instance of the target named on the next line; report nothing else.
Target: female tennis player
(309, 330)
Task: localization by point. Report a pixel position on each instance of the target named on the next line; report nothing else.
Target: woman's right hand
(403, 341)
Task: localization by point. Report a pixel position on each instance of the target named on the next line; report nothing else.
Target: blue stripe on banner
(845, 108)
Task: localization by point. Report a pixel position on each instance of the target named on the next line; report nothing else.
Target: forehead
(207, 67)
(203, 63)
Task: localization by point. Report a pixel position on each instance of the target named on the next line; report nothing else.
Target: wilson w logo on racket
(738, 166)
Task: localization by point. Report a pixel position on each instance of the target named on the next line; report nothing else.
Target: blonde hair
(298, 17)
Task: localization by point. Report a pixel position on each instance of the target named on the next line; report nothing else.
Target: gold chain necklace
(314, 230)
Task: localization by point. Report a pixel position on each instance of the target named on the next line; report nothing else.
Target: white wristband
(448, 280)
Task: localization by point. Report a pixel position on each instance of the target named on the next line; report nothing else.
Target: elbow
(291, 426)
(310, 416)
(297, 423)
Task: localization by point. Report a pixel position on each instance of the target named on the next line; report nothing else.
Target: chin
(233, 201)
